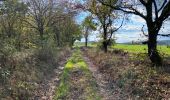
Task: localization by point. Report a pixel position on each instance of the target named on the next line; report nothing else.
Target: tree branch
(165, 12)
(156, 9)
(165, 1)
(28, 23)
(143, 31)
(143, 2)
(112, 31)
(165, 35)
(134, 11)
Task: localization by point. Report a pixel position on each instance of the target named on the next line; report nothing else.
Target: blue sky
(131, 30)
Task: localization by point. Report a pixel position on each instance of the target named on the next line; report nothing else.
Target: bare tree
(39, 15)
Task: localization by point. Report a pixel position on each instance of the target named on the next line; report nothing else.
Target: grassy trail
(77, 82)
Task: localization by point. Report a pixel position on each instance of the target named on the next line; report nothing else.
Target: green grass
(140, 48)
(131, 48)
(75, 66)
(80, 44)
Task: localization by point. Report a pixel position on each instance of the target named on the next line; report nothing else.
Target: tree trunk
(105, 44)
(72, 42)
(86, 37)
(41, 31)
(86, 40)
(152, 48)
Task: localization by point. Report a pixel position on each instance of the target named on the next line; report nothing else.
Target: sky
(130, 31)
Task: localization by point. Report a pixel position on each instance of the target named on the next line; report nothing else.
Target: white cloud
(132, 27)
(137, 19)
(129, 36)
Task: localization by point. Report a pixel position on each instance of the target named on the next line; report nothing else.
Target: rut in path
(46, 89)
(106, 87)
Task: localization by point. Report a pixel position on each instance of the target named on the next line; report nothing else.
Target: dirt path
(46, 90)
(104, 85)
(79, 80)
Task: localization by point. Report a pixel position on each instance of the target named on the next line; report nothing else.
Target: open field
(141, 48)
(80, 44)
(132, 48)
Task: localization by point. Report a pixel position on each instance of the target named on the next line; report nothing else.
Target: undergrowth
(131, 75)
(21, 72)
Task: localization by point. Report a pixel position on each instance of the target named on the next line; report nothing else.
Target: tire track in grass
(106, 91)
(105, 86)
(77, 82)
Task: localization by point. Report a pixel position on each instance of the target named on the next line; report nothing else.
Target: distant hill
(160, 42)
(164, 42)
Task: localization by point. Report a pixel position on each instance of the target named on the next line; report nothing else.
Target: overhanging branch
(164, 35)
(124, 9)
